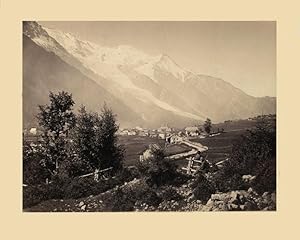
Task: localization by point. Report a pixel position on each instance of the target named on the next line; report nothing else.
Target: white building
(162, 135)
(192, 131)
(174, 139)
(33, 131)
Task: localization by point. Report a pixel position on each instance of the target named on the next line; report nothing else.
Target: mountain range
(143, 90)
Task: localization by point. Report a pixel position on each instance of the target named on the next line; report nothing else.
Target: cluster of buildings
(163, 132)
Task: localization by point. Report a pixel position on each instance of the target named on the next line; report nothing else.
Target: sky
(242, 53)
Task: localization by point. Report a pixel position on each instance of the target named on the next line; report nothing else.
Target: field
(136, 145)
(219, 147)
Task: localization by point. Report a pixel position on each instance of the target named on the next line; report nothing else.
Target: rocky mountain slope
(44, 71)
(155, 88)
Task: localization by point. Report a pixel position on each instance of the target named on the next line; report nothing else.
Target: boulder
(234, 197)
(273, 197)
(250, 206)
(220, 197)
(210, 202)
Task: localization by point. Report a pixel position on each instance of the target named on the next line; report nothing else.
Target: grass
(219, 147)
(177, 148)
(136, 145)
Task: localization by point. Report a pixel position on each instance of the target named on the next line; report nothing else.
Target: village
(165, 132)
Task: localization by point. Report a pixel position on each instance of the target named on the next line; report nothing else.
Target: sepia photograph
(149, 116)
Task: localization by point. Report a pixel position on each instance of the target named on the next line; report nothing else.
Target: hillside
(51, 73)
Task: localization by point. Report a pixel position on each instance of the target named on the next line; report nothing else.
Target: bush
(202, 188)
(34, 169)
(169, 193)
(63, 187)
(254, 154)
(157, 169)
(74, 166)
(127, 174)
(33, 195)
(266, 177)
(124, 199)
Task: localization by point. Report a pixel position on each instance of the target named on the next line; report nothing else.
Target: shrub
(34, 169)
(157, 169)
(124, 199)
(202, 188)
(33, 195)
(78, 188)
(265, 180)
(169, 193)
(127, 174)
(253, 154)
(75, 166)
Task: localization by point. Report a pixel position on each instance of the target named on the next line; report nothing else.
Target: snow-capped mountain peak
(147, 84)
(167, 64)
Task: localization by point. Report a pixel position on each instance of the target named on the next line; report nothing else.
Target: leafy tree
(207, 126)
(110, 153)
(84, 137)
(56, 120)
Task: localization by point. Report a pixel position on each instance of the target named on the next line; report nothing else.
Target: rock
(191, 198)
(224, 207)
(242, 199)
(198, 202)
(210, 202)
(220, 196)
(244, 193)
(265, 194)
(234, 197)
(250, 206)
(250, 190)
(83, 208)
(81, 204)
(232, 207)
(273, 197)
(248, 178)
(252, 178)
